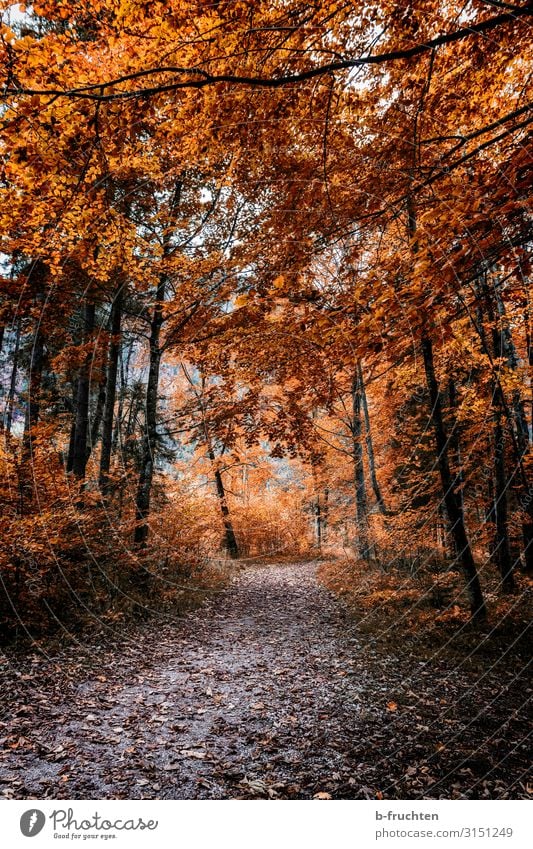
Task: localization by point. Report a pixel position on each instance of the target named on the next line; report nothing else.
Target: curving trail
(265, 691)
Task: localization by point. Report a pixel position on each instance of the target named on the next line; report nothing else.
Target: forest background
(265, 293)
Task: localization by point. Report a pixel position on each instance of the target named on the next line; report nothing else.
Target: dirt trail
(266, 691)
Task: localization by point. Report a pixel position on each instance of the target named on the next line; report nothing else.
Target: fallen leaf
(193, 753)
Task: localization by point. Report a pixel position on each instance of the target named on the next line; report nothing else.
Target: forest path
(266, 691)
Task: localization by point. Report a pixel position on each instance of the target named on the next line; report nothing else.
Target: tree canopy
(265, 287)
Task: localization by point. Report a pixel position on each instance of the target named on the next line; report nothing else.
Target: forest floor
(269, 690)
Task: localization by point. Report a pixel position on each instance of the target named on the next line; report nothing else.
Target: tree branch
(199, 78)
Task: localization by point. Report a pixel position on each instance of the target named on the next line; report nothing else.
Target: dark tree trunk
(27, 479)
(111, 391)
(518, 428)
(80, 456)
(317, 506)
(501, 554)
(452, 503)
(318, 521)
(507, 349)
(229, 534)
(502, 348)
(455, 442)
(148, 449)
(98, 413)
(325, 515)
(146, 473)
(369, 445)
(523, 444)
(34, 387)
(451, 500)
(118, 439)
(13, 380)
(70, 452)
(359, 472)
(527, 536)
(230, 540)
(94, 430)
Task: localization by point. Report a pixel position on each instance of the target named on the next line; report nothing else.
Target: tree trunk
(148, 449)
(325, 515)
(508, 350)
(13, 381)
(27, 477)
(369, 445)
(118, 437)
(455, 443)
(34, 387)
(523, 438)
(111, 391)
(318, 521)
(72, 436)
(501, 554)
(146, 473)
(97, 418)
(451, 501)
(359, 472)
(317, 506)
(518, 427)
(79, 456)
(229, 533)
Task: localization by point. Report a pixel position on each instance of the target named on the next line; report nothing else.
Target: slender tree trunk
(501, 553)
(13, 380)
(451, 500)
(77, 339)
(32, 415)
(325, 515)
(146, 472)
(79, 458)
(523, 437)
(455, 443)
(453, 505)
(34, 388)
(118, 438)
(229, 532)
(98, 413)
(369, 445)
(111, 390)
(508, 350)
(148, 450)
(359, 472)
(317, 506)
(318, 521)
(70, 452)
(94, 430)
(519, 432)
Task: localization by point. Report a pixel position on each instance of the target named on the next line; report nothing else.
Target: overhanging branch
(199, 78)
